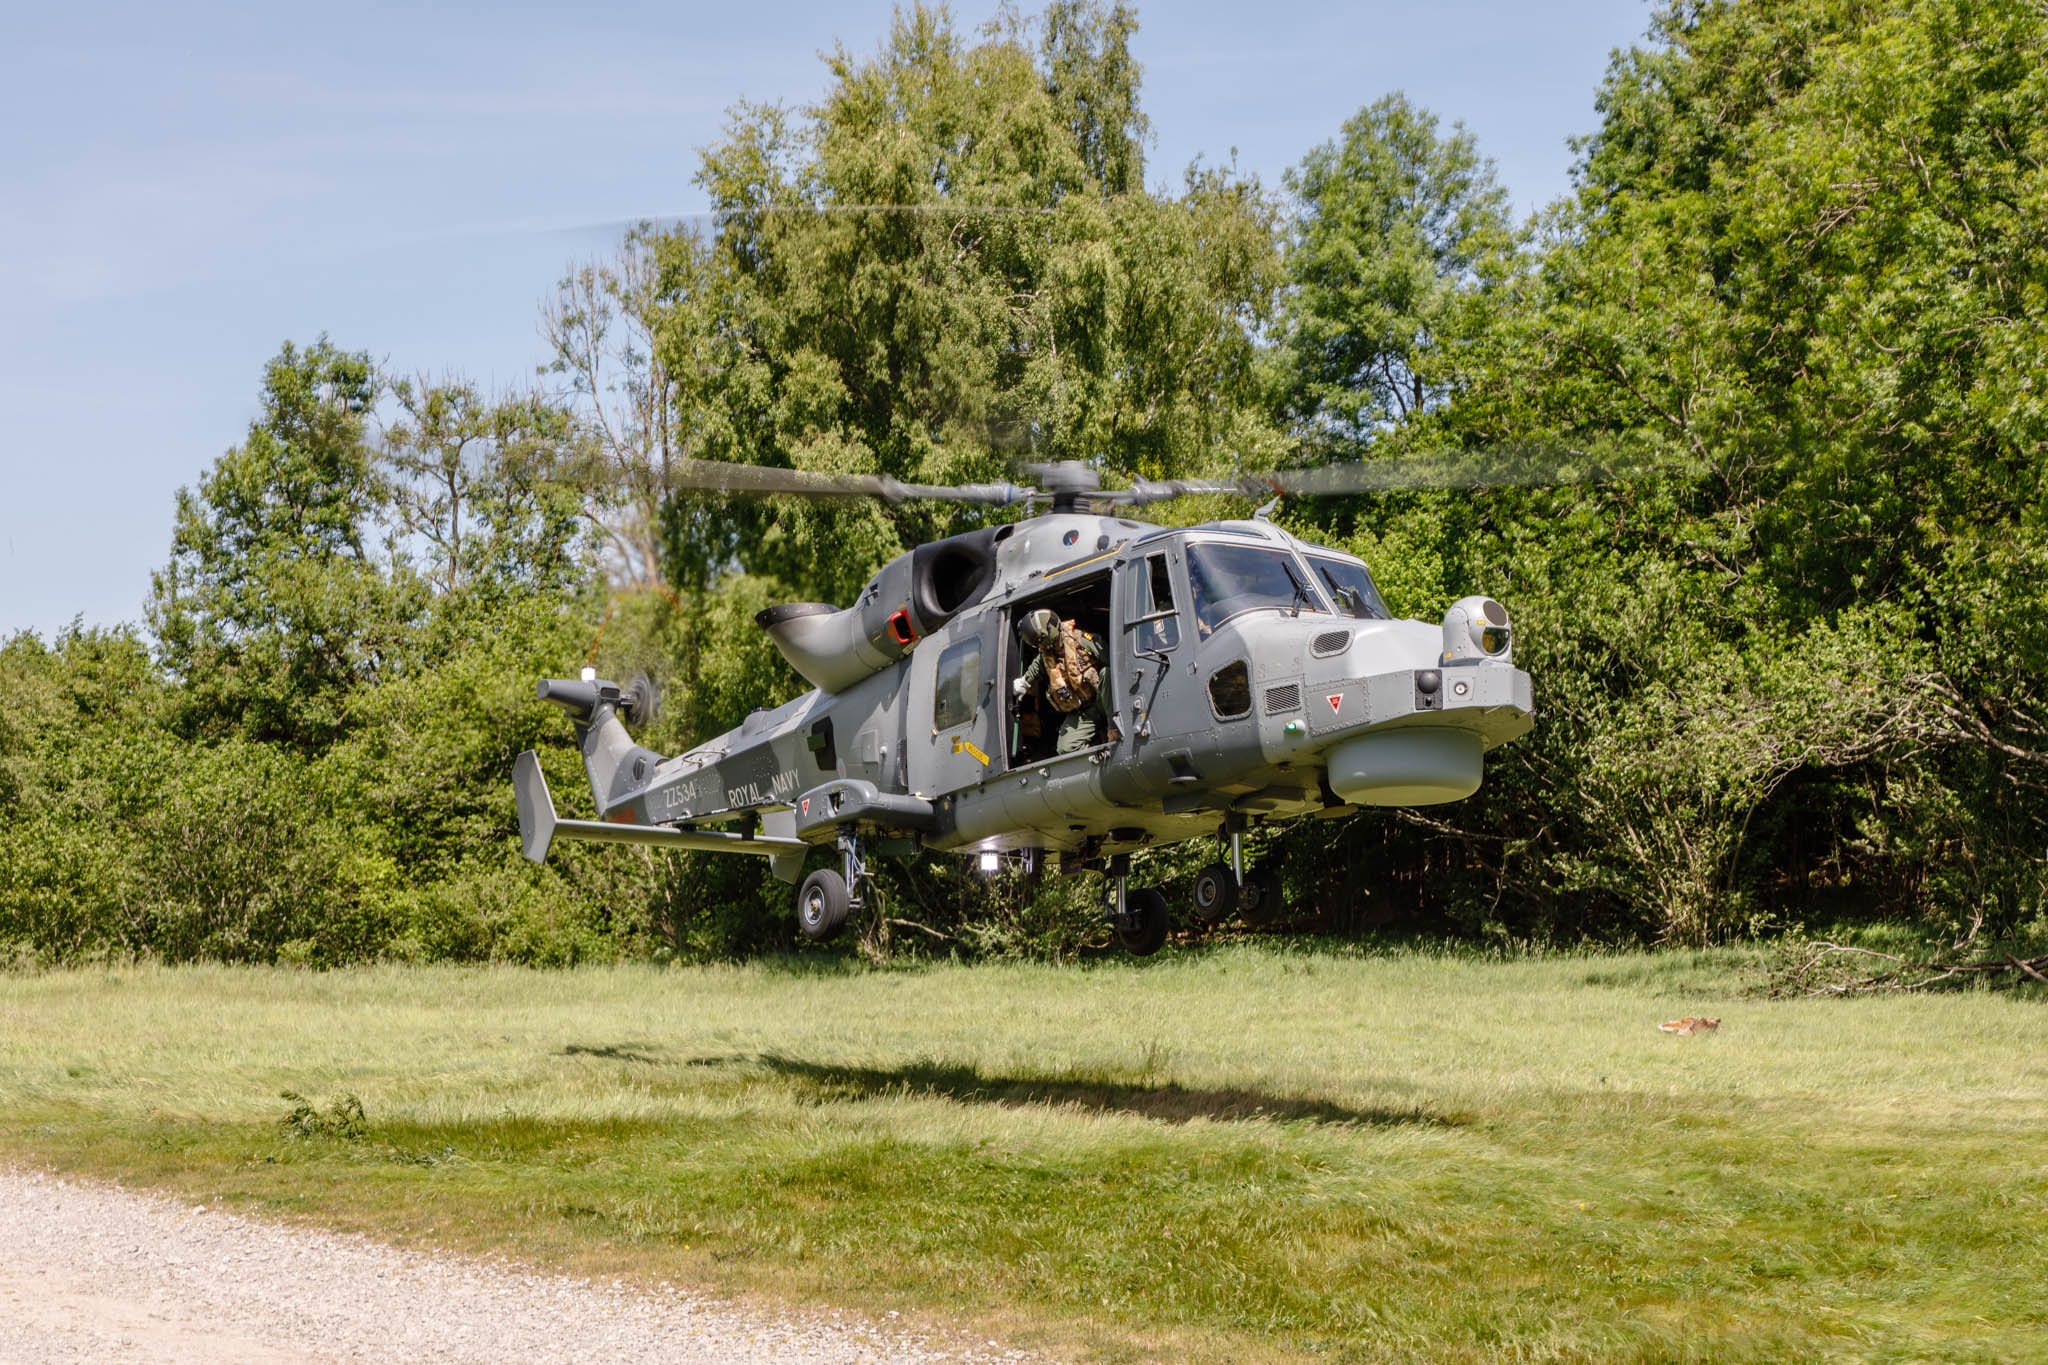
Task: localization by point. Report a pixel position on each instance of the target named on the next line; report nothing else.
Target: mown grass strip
(1244, 1156)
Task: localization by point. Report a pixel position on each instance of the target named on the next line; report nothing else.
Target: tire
(1263, 898)
(821, 905)
(1215, 893)
(1148, 922)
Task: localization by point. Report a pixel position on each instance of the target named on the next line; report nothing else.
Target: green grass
(1249, 1154)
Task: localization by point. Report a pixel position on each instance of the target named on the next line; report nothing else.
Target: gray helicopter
(1245, 677)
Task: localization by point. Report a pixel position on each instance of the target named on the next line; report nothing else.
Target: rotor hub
(1069, 483)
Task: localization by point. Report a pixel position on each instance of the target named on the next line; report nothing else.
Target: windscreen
(1228, 579)
(1350, 586)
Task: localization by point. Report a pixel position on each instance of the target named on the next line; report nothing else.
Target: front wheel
(1146, 921)
(1263, 900)
(1215, 893)
(821, 905)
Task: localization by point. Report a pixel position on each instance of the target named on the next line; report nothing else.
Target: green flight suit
(1083, 727)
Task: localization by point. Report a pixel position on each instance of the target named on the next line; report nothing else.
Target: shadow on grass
(1169, 1103)
(615, 1052)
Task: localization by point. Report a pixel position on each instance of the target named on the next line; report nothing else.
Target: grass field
(1241, 1155)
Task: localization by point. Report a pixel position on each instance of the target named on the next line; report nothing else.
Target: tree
(600, 323)
(1399, 229)
(1085, 52)
(949, 260)
(274, 606)
(1798, 254)
(491, 491)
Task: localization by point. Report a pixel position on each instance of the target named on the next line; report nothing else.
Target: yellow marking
(964, 746)
(1084, 563)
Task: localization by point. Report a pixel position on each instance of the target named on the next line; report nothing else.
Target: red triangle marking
(1336, 700)
(806, 803)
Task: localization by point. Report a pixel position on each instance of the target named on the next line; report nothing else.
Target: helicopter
(1248, 678)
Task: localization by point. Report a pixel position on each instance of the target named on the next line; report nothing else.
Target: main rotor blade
(718, 216)
(1500, 467)
(716, 476)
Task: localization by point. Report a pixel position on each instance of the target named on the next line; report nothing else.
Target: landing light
(990, 862)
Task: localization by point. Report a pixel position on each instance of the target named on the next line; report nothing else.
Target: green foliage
(1403, 235)
(949, 259)
(261, 801)
(1798, 257)
(1085, 52)
(491, 491)
(1808, 254)
(273, 609)
(1052, 920)
(642, 406)
(344, 1119)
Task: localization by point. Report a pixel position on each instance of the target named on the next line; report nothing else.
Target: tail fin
(536, 807)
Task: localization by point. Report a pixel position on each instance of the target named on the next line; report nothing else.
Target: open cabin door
(952, 736)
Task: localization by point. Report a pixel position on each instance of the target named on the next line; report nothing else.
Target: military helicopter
(1247, 678)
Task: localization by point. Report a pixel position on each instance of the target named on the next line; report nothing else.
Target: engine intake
(911, 597)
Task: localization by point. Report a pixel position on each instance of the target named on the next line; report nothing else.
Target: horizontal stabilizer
(685, 840)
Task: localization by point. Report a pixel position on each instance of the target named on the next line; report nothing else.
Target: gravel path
(93, 1273)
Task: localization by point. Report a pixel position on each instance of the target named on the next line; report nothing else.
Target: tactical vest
(1070, 676)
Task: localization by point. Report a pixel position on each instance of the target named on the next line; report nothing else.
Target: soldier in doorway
(1069, 669)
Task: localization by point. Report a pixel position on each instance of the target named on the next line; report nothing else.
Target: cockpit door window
(1155, 623)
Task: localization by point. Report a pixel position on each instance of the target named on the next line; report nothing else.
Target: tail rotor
(640, 705)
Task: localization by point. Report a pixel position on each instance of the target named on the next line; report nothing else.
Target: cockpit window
(1350, 587)
(958, 684)
(1228, 579)
(1158, 629)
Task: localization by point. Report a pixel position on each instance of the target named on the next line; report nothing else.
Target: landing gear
(1224, 886)
(1140, 918)
(1145, 923)
(821, 905)
(1215, 893)
(1260, 898)
(824, 899)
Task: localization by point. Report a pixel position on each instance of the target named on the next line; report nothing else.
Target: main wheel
(1215, 893)
(1146, 923)
(1263, 900)
(821, 905)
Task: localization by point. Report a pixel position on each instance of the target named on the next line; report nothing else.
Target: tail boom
(539, 826)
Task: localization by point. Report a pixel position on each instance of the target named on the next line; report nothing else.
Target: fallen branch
(921, 928)
(1811, 974)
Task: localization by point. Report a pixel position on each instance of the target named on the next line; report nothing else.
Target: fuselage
(1250, 676)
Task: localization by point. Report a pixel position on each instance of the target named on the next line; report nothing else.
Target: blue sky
(187, 186)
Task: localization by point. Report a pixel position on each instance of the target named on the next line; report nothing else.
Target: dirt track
(93, 1273)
